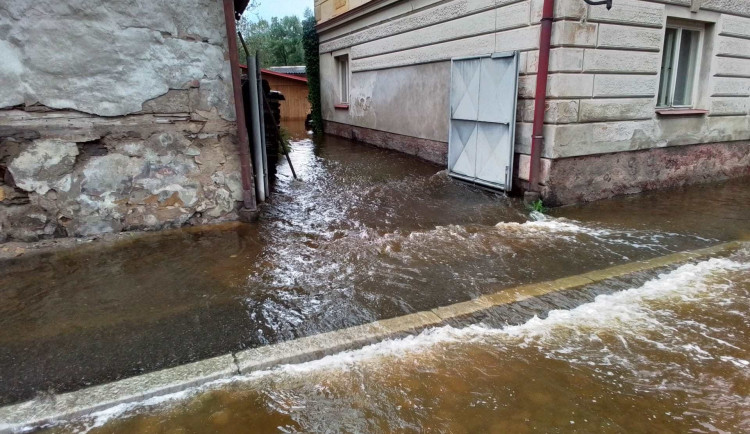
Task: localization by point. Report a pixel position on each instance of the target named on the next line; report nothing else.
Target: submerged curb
(85, 401)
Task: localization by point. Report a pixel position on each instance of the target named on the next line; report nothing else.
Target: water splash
(628, 337)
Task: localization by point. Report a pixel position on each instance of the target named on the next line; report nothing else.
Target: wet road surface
(365, 234)
(669, 354)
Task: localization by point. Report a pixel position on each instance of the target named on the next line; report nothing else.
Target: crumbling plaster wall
(107, 58)
(114, 116)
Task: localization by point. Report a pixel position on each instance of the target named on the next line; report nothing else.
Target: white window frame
(342, 62)
(700, 28)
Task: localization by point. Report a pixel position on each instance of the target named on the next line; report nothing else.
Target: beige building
(648, 94)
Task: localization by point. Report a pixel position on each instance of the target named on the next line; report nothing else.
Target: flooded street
(369, 234)
(667, 356)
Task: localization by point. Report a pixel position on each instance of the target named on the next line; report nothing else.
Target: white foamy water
(598, 333)
(317, 281)
(630, 312)
(570, 230)
(630, 308)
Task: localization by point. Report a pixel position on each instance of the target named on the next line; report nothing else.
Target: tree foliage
(286, 41)
(278, 41)
(312, 63)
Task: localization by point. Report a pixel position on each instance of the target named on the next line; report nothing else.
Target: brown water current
(365, 234)
(670, 355)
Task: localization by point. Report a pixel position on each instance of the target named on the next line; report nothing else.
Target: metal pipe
(270, 112)
(540, 98)
(608, 3)
(246, 169)
(260, 189)
(262, 97)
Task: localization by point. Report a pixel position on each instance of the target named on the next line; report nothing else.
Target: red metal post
(246, 170)
(540, 98)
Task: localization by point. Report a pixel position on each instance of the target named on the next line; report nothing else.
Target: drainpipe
(252, 74)
(540, 98)
(249, 208)
(261, 106)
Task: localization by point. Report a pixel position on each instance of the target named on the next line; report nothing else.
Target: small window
(679, 66)
(342, 67)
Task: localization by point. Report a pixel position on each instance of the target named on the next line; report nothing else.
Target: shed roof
(293, 70)
(277, 74)
(282, 75)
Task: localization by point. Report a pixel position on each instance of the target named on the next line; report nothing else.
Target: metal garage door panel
(491, 152)
(462, 152)
(498, 80)
(465, 89)
(482, 118)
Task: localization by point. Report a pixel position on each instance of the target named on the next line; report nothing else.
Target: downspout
(260, 185)
(540, 97)
(261, 107)
(249, 207)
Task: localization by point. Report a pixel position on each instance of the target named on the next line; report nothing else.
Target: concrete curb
(85, 401)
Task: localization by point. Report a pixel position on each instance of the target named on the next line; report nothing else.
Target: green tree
(312, 62)
(285, 41)
(278, 42)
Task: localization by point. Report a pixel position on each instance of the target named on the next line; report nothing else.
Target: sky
(281, 8)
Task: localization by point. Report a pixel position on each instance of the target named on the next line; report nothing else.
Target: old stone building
(115, 115)
(648, 94)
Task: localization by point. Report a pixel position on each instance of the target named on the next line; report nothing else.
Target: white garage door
(483, 119)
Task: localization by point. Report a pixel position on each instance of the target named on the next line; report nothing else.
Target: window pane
(342, 64)
(687, 58)
(665, 85)
(346, 76)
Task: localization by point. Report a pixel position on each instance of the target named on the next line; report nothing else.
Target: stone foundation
(594, 177)
(67, 173)
(114, 117)
(430, 150)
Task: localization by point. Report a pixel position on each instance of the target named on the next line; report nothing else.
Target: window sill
(342, 106)
(681, 112)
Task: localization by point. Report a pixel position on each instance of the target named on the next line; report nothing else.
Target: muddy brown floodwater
(667, 356)
(365, 234)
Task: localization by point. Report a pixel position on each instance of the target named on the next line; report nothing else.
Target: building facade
(115, 116)
(649, 94)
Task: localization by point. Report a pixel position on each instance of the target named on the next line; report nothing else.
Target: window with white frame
(342, 70)
(680, 64)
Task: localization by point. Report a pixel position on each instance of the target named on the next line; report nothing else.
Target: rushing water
(670, 355)
(364, 234)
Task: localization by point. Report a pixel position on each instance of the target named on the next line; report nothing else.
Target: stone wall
(593, 177)
(114, 116)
